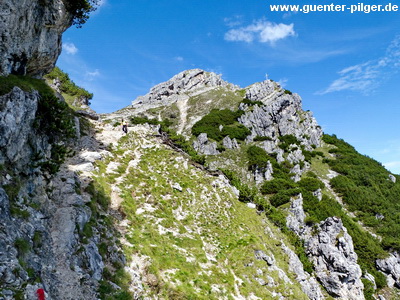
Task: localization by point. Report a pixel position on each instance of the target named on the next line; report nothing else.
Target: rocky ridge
(180, 88)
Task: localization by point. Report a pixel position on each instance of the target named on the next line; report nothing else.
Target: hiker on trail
(124, 126)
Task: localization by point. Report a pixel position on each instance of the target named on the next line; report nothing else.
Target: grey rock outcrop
(43, 230)
(309, 284)
(391, 267)
(31, 35)
(335, 261)
(281, 114)
(392, 178)
(318, 194)
(190, 82)
(260, 255)
(203, 146)
(266, 173)
(229, 143)
(17, 140)
(296, 217)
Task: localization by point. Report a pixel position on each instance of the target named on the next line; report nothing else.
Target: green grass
(22, 246)
(185, 234)
(26, 83)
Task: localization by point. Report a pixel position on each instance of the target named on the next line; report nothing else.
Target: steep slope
(275, 154)
(187, 236)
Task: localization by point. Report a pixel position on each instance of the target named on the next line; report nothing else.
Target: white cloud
(91, 75)
(178, 58)
(70, 48)
(234, 21)
(366, 77)
(289, 14)
(283, 81)
(262, 31)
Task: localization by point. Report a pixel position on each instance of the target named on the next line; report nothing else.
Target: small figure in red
(40, 294)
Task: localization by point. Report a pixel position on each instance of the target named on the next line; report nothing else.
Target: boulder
(229, 143)
(203, 146)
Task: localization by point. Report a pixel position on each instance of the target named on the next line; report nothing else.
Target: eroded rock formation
(30, 35)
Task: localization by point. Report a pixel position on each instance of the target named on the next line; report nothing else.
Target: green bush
(311, 184)
(98, 194)
(251, 103)
(276, 185)
(211, 123)
(258, 157)
(287, 140)
(22, 246)
(262, 138)
(246, 194)
(279, 219)
(288, 92)
(181, 142)
(279, 199)
(67, 85)
(380, 279)
(55, 118)
(239, 132)
(365, 188)
(368, 289)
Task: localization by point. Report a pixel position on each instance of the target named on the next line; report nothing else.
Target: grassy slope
(198, 241)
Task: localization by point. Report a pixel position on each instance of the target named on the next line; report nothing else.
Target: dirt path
(183, 108)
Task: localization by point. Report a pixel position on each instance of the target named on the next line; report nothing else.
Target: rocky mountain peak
(186, 83)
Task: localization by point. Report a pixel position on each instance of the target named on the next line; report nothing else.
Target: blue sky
(344, 66)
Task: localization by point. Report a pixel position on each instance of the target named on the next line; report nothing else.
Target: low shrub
(258, 157)
(288, 92)
(22, 246)
(287, 140)
(279, 199)
(311, 184)
(226, 118)
(251, 102)
(67, 86)
(262, 138)
(239, 132)
(55, 118)
(276, 185)
(246, 194)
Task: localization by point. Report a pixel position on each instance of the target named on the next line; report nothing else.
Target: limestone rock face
(190, 82)
(281, 114)
(17, 115)
(203, 146)
(296, 217)
(334, 259)
(43, 214)
(308, 284)
(391, 267)
(31, 35)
